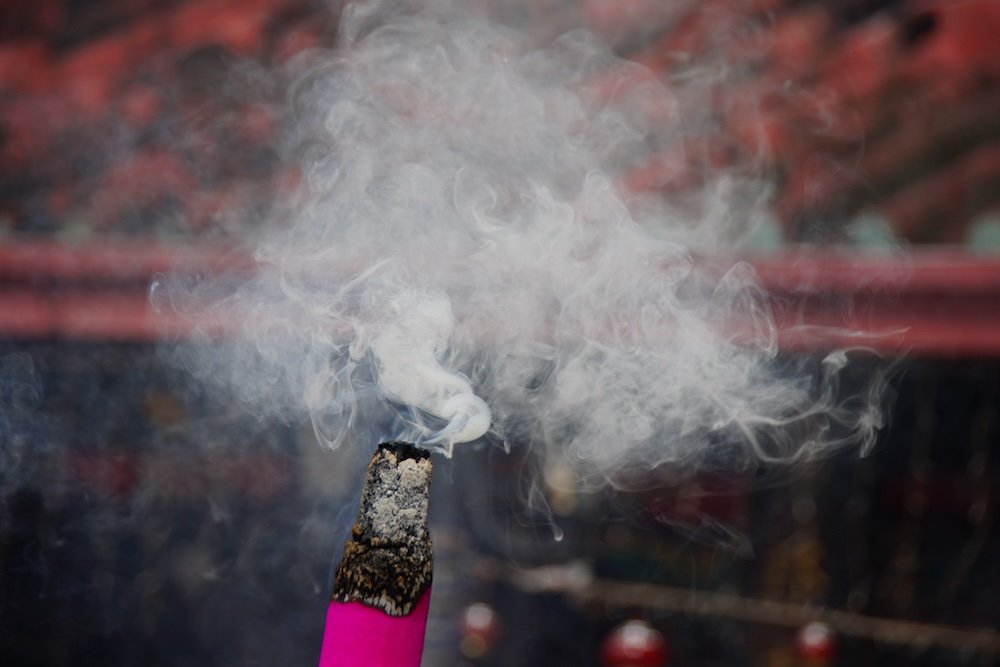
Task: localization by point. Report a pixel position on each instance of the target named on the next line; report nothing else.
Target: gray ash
(388, 563)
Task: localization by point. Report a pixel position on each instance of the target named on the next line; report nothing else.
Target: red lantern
(480, 628)
(816, 644)
(635, 644)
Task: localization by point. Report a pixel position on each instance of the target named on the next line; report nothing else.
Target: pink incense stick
(357, 634)
(381, 593)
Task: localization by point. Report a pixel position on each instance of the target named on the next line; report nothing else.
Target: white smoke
(462, 259)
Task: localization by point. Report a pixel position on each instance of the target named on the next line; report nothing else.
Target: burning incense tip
(388, 561)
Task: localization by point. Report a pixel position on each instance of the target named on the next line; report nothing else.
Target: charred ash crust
(388, 562)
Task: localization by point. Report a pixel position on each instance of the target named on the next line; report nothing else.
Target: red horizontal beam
(939, 302)
(949, 270)
(118, 261)
(940, 271)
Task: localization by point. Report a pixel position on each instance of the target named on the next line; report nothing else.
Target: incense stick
(381, 594)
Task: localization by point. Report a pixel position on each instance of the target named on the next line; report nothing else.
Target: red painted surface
(896, 111)
(118, 261)
(941, 302)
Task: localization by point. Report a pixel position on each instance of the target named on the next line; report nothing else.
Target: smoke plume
(463, 262)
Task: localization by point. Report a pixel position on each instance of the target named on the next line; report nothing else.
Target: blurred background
(145, 522)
